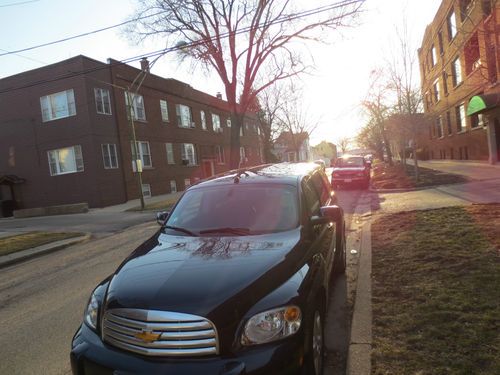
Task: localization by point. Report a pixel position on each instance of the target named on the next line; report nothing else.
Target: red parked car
(351, 170)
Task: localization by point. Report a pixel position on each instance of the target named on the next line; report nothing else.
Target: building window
(65, 160)
(219, 153)
(440, 42)
(439, 127)
(136, 104)
(144, 154)
(228, 123)
(476, 120)
(456, 71)
(216, 123)
(445, 83)
(170, 153)
(448, 122)
(173, 186)
(146, 190)
(433, 56)
(437, 95)
(187, 183)
(164, 110)
(102, 101)
(471, 54)
(109, 156)
(184, 116)
(460, 117)
(58, 105)
(203, 120)
(188, 154)
(451, 23)
(486, 7)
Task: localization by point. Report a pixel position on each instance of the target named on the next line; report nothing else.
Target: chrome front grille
(159, 333)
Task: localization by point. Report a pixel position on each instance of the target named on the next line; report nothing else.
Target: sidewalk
(136, 203)
(474, 169)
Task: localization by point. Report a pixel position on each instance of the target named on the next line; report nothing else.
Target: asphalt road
(42, 300)
(97, 222)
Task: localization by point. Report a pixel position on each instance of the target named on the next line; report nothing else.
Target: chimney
(218, 95)
(145, 64)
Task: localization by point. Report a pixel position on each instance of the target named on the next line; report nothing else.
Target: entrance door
(208, 168)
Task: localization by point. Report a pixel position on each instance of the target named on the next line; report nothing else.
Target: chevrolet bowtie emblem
(147, 336)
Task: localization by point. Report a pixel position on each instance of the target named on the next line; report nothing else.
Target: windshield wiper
(228, 230)
(178, 229)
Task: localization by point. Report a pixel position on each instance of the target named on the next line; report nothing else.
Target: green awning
(480, 103)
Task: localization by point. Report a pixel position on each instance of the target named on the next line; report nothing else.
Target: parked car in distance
(236, 281)
(351, 169)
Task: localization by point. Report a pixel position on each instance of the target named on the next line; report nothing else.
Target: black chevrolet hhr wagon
(236, 281)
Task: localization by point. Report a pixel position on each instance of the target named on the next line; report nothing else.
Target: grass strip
(24, 241)
(436, 292)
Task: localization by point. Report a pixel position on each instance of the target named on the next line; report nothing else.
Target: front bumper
(89, 355)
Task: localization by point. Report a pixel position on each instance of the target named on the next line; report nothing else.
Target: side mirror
(328, 214)
(161, 217)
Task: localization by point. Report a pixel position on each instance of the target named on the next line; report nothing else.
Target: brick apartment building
(460, 69)
(65, 134)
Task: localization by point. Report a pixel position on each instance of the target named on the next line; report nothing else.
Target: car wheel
(315, 346)
(340, 257)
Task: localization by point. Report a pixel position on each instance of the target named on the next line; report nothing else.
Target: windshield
(237, 210)
(349, 162)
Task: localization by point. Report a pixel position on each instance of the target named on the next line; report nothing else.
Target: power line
(79, 35)
(19, 3)
(285, 18)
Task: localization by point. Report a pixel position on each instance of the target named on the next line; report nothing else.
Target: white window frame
(137, 106)
(141, 153)
(461, 119)
(164, 110)
(184, 116)
(457, 72)
(220, 155)
(216, 123)
(146, 190)
(170, 153)
(50, 110)
(203, 117)
(108, 150)
(173, 186)
(100, 96)
(452, 25)
(188, 152)
(437, 93)
(54, 159)
(228, 123)
(433, 55)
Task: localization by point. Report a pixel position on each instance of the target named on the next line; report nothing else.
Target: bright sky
(332, 94)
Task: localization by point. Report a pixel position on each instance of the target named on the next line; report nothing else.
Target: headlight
(272, 325)
(92, 312)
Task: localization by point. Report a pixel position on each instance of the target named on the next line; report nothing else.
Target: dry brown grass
(28, 240)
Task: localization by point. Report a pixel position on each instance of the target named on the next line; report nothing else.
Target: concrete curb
(21, 256)
(360, 344)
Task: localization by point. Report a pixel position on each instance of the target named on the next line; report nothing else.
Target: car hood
(205, 276)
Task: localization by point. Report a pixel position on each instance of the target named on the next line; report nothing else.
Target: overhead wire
(163, 51)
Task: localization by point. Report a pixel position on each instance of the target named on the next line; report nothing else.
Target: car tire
(315, 345)
(340, 261)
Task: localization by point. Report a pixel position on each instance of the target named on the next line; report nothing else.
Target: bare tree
(344, 144)
(408, 95)
(250, 44)
(293, 119)
(370, 137)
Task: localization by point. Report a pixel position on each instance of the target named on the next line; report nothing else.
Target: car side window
(322, 188)
(311, 196)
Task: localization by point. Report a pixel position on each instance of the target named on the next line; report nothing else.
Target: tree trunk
(415, 160)
(236, 124)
